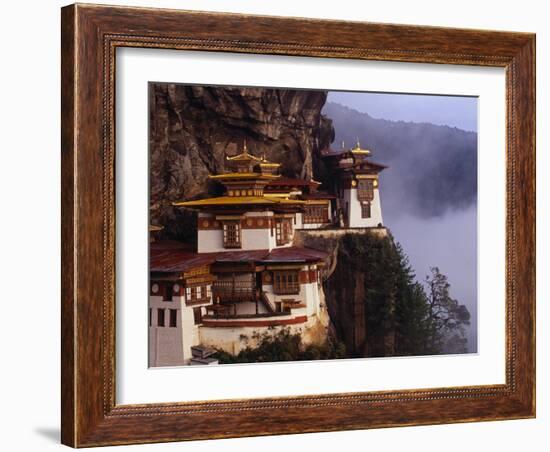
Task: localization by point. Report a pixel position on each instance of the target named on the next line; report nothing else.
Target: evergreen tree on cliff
(414, 326)
(378, 307)
(447, 317)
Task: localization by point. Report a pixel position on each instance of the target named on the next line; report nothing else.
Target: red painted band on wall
(242, 323)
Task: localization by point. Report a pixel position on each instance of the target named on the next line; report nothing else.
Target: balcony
(234, 291)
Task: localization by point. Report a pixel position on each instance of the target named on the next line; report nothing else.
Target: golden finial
(245, 149)
(357, 149)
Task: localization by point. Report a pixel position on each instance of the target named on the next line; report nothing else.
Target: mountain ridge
(432, 168)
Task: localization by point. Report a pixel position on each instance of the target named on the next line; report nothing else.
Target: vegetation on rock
(379, 308)
(283, 345)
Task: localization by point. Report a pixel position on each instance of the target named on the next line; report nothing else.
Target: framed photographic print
(278, 225)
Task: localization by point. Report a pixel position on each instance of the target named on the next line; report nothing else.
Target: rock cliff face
(347, 277)
(193, 128)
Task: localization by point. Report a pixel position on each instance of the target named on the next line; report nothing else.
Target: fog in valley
(448, 242)
(429, 191)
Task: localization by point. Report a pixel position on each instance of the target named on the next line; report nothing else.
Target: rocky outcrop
(193, 128)
(350, 277)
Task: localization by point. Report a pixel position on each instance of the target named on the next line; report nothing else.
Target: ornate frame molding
(90, 36)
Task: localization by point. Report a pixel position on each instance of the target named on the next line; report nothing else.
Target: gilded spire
(244, 156)
(357, 149)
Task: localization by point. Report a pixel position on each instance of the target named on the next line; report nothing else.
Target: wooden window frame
(316, 214)
(365, 189)
(279, 232)
(172, 318)
(161, 317)
(366, 210)
(197, 315)
(283, 231)
(286, 282)
(235, 240)
(91, 36)
(193, 297)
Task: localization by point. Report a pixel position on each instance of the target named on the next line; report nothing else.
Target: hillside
(433, 169)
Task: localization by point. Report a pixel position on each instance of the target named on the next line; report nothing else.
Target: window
(283, 231)
(173, 318)
(198, 294)
(150, 316)
(365, 209)
(197, 315)
(160, 317)
(279, 232)
(167, 292)
(286, 282)
(316, 214)
(365, 190)
(231, 234)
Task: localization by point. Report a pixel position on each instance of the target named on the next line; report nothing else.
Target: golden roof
(236, 200)
(357, 150)
(155, 228)
(244, 176)
(267, 164)
(277, 195)
(317, 201)
(244, 156)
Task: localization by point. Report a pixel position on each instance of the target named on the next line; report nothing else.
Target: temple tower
(357, 187)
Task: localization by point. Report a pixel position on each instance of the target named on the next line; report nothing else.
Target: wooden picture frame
(90, 36)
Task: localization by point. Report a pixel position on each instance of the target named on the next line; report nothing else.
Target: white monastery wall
(210, 241)
(354, 210)
(299, 220)
(308, 295)
(257, 239)
(189, 333)
(171, 346)
(233, 340)
(165, 345)
(249, 307)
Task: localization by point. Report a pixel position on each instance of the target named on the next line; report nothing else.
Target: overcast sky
(453, 111)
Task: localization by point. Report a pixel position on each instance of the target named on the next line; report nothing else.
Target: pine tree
(448, 318)
(413, 323)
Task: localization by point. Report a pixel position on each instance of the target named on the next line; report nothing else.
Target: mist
(440, 242)
(429, 190)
